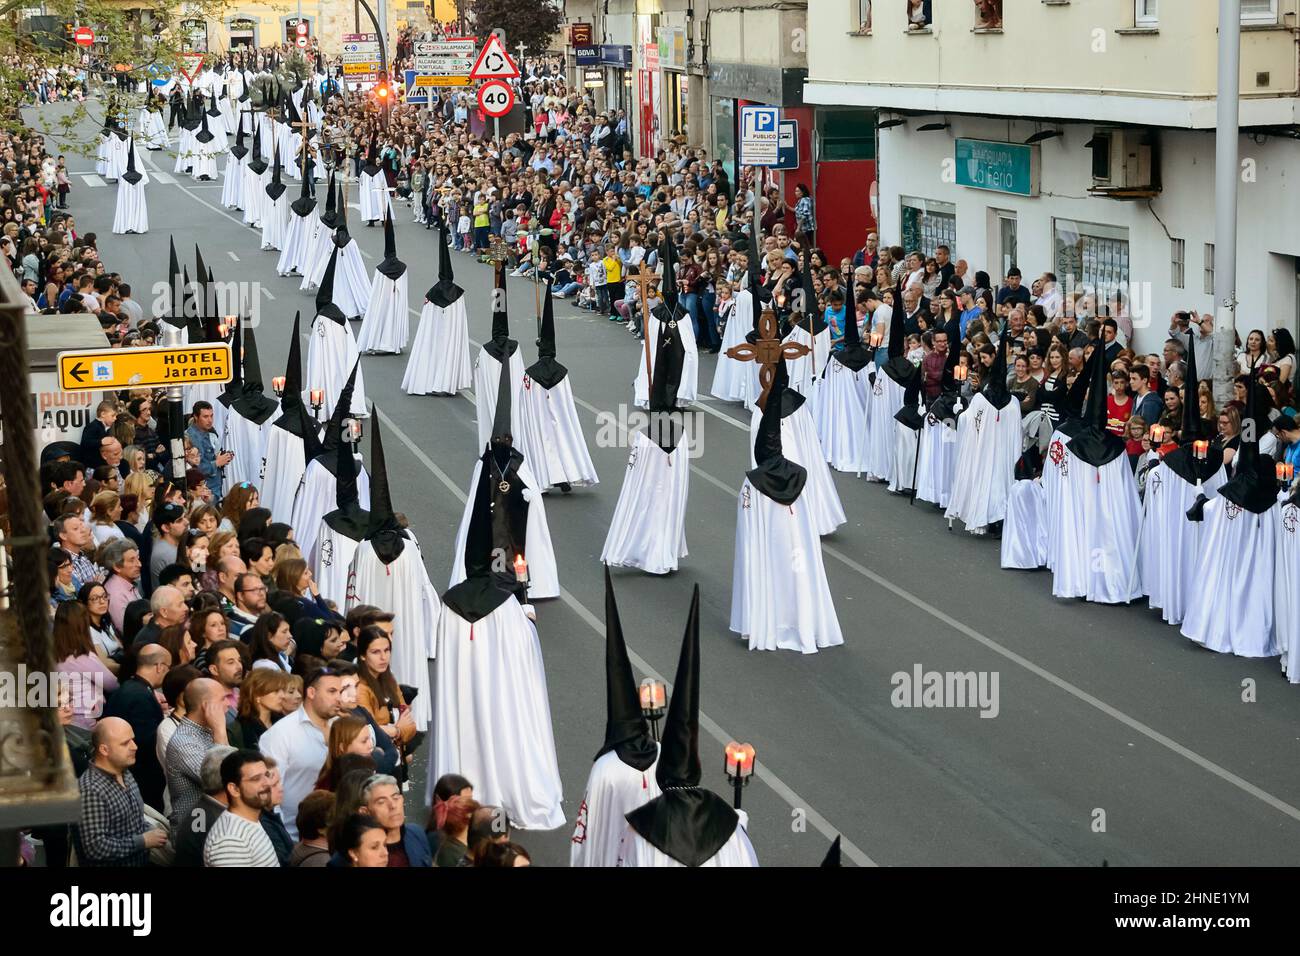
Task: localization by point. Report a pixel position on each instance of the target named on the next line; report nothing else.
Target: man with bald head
(110, 449)
(112, 829)
(136, 703)
(203, 725)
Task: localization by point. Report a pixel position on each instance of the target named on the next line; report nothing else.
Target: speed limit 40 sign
(496, 98)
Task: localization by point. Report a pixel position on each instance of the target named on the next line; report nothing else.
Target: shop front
(616, 60)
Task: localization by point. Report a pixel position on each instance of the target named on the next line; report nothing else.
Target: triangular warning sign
(191, 64)
(494, 62)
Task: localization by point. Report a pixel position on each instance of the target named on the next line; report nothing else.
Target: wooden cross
(767, 350)
(302, 126)
(643, 277)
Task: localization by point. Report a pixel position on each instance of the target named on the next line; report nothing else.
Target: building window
(1092, 258)
(862, 18)
(847, 134)
(988, 14)
(1208, 287)
(1177, 262)
(724, 131)
(1259, 11)
(919, 15)
(928, 224)
(1146, 14)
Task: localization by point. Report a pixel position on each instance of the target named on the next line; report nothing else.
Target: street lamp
(738, 762)
(653, 703)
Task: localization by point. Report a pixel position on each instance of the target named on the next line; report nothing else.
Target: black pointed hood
(341, 235)
(502, 430)
(371, 166)
(275, 188)
(390, 265)
(330, 217)
(832, 857)
(385, 534)
(234, 390)
(547, 372)
(177, 292)
(1182, 461)
(816, 318)
(1093, 444)
(132, 175)
(325, 293)
(1253, 486)
(204, 135)
(853, 354)
(334, 427)
(255, 162)
(753, 271)
(239, 149)
(685, 822)
(776, 476)
(484, 589)
(445, 291)
(254, 404)
(994, 384)
(205, 288)
(669, 309)
(626, 730)
(912, 414)
(501, 346)
(348, 518)
(306, 202)
(898, 367)
(295, 417)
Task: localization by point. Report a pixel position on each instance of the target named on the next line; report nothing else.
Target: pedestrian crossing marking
(232, 255)
(164, 179)
(93, 181)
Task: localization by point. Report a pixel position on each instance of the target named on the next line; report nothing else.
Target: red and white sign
(191, 64)
(302, 42)
(496, 98)
(301, 29)
(84, 36)
(494, 62)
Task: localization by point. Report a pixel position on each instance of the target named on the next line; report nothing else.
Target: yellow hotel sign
(144, 368)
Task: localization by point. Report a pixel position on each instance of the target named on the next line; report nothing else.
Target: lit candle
(1201, 448)
(354, 430)
(521, 569)
(222, 329)
(652, 694)
(959, 373)
(1283, 471)
(1157, 434)
(317, 397)
(740, 760)
(277, 385)
(1290, 471)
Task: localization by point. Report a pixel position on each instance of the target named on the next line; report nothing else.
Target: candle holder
(521, 569)
(352, 432)
(739, 762)
(223, 330)
(1285, 471)
(653, 695)
(959, 373)
(1157, 434)
(1201, 449)
(277, 386)
(316, 397)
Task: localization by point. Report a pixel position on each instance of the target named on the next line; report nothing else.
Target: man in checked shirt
(112, 829)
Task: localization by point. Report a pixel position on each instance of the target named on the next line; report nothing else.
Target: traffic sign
(445, 65)
(191, 64)
(787, 145)
(301, 29)
(302, 42)
(144, 367)
(423, 81)
(84, 36)
(494, 62)
(462, 48)
(759, 135)
(496, 98)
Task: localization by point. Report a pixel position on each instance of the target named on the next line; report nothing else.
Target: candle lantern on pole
(654, 697)
(738, 762)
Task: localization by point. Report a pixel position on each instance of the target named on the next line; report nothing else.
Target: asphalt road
(1115, 738)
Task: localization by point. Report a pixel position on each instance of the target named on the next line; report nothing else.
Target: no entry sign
(84, 36)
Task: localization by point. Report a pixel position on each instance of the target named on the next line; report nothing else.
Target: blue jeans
(690, 301)
(569, 289)
(709, 308)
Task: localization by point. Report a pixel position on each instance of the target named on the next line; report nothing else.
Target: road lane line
(232, 255)
(92, 180)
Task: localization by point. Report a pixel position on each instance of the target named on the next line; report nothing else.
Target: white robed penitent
(989, 443)
(735, 380)
(839, 404)
(275, 210)
(131, 214)
(232, 185)
(387, 323)
(1286, 572)
(294, 440)
(550, 435)
(439, 362)
(372, 191)
(670, 327)
(299, 238)
(332, 352)
(799, 440)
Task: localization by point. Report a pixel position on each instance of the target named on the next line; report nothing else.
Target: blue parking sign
(759, 135)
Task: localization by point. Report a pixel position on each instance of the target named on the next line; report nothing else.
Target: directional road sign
(107, 369)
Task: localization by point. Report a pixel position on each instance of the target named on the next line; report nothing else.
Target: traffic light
(383, 91)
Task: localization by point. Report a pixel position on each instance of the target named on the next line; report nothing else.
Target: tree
(142, 44)
(530, 22)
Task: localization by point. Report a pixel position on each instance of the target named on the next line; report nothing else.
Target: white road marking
(232, 255)
(266, 292)
(92, 180)
(164, 178)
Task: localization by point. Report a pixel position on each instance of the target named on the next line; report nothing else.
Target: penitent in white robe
(1286, 572)
(285, 464)
(132, 213)
(937, 460)
(439, 363)
(839, 411)
(988, 447)
(688, 386)
(736, 852)
(492, 717)
(613, 791)
(317, 496)
(780, 599)
(487, 378)
(372, 196)
(275, 221)
(551, 437)
(331, 353)
(799, 439)
(1170, 543)
(402, 587)
(543, 577)
(884, 399)
(1055, 467)
(1231, 610)
(803, 369)
(254, 195)
(248, 441)
(648, 529)
(298, 240)
(734, 380)
(1024, 530)
(205, 158)
(907, 447)
(232, 186)
(1098, 518)
(330, 561)
(388, 323)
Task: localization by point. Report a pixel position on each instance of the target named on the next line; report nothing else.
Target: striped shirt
(234, 841)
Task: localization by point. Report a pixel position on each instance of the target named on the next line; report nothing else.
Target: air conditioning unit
(1124, 163)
